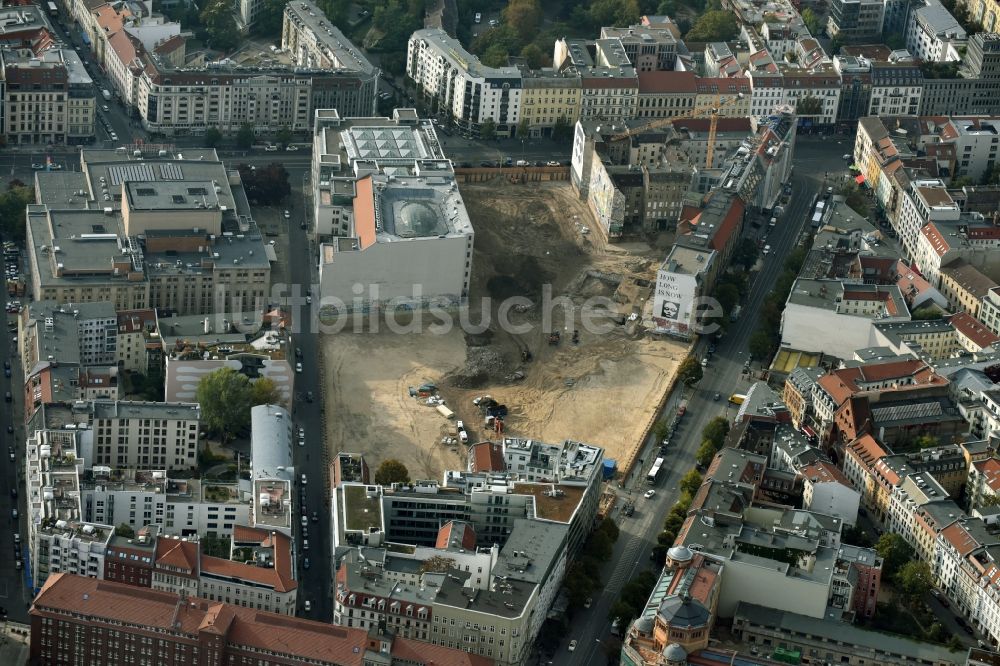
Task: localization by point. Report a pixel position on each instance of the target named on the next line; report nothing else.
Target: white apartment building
(766, 92)
(145, 435)
(59, 540)
(930, 30)
(459, 86)
(989, 310)
(182, 507)
(822, 86)
(896, 89)
(927, 200)
(976, 141)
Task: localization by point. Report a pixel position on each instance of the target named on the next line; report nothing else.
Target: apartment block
(853, 21)
(59, 539)
(184, 507)
(272, 469)
(110, 622)
(933, 34)
(975, 90)
(145, 435)
(47, 97)
(489, 601)
(456, 83)
(549, 97)
(138, 344)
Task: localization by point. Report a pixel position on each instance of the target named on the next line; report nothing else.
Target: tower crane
(711, 112)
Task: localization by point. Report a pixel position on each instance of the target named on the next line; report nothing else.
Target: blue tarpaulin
(609, 468)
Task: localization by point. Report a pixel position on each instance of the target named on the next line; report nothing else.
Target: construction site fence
(515, 174)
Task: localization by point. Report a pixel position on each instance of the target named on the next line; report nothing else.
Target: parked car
(307, 606)
(572, 645)
(649, 493)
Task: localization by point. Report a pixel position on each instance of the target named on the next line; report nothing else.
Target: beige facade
(546, 97)
(146, 435)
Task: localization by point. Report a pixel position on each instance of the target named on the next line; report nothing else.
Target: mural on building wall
(673, 303)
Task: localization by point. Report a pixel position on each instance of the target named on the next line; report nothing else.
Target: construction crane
(712, 112)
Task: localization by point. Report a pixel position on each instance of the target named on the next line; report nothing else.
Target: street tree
(812, 22)
(746, 254)
(212, 137)
(284, 136)
(266, 185)
(225, 399)
(245, 136)
(488, 130)
(761, 344)
(391, 471)
(728, 296)
(716, 430)
(691, 481)
(690, 371)
(562, 130)
(706, 452)
(13, 205)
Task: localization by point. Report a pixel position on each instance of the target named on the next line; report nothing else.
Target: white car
(291, 149)
(649, 493)
(287, 215)
(462, 434)
(298, 367)
(846, 156)
(308, 605)
(303, 479)
(572, 645)
(767, 250)
(305, 544)
(271, 148)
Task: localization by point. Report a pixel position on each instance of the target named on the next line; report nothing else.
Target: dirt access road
(602, 390)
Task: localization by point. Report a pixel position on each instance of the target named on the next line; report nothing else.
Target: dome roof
(682, 612)
(680, 554)
(674, 652)
(419, 217)
(644, 625)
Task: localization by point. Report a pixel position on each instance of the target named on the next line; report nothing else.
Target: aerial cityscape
(495, 332)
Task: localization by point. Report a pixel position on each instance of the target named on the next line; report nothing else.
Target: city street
(724, 375)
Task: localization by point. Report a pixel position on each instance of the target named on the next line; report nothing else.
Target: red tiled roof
(612, 82)
(730, 223)
(281, 548)
(866, 450)
(264, 575)
(178, 554)
(487, 457)
(973, 329)
(364, 213)
(990, 471)
(935, 238)
(243, 628)
(447, 530)
(667, 82)
(824, 472)
(959, 538)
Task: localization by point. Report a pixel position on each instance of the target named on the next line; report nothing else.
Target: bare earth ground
(601, 391)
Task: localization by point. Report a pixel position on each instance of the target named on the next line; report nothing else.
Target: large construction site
(599, 383)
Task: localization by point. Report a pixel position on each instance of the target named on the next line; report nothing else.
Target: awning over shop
(859, 179)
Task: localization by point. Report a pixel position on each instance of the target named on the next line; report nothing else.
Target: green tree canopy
(269, 18)
(714, 26)
(524, 16)
(690, 371)
(812, 22)
(284, 136)
(562, 130)
(225, 399)
(761, 344)
(746, 254)
(391, 471)
(691, 482)
(220, 25)
(488, 130)
(894, 551)
(267, 186)
(716, 430)
(245, 136)
(263, 391)
(534, 55)
(212, 137)
(13, 204)
(809, 106)
(706, 452)
(125, 531)
(914, 579)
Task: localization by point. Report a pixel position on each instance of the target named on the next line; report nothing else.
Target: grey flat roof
(848, 637)
(170, 411)
(270, 444)
(338, 47)
(453, 51)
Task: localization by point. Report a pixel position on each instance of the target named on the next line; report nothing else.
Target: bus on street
(654, 472)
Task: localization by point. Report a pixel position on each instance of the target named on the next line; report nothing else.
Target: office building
(389, 215)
